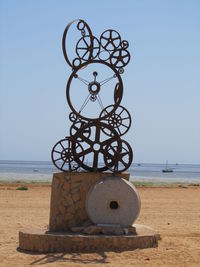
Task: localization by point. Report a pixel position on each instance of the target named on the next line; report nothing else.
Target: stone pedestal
(68, 197)
(39, 241)
(68, 217)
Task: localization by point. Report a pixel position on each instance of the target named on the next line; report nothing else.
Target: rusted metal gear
(118, 155)
(63, 156)
(119, 58)
(94, 147)
(83, 48)
(110, 40)
(84, 30)
(76, 126)
(120, 119)
(124, 44)
(73, 117)
(94, 143)
(92, 88)
(118, 93)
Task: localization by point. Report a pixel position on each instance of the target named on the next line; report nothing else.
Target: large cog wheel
(94, 147)
(91, 89)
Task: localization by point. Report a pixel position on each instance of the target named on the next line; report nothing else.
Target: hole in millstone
(114, 205)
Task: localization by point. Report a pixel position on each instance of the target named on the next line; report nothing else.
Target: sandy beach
(173, 211)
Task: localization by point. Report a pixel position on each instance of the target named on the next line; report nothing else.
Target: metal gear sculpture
(95, 143)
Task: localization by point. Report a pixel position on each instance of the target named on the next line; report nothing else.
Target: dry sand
(174, 212)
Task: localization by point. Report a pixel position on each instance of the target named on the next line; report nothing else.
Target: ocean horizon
(35, 171)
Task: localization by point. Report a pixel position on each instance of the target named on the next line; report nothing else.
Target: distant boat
(167, 169)
(139, 164)
(36, 170)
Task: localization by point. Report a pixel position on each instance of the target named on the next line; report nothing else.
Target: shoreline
(136, 183)
(149, 177)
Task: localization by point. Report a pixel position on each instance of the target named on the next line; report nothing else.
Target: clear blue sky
(161, 83)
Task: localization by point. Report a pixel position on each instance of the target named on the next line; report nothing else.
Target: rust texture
(94, 92)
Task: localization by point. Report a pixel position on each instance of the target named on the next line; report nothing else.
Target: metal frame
(98, 136)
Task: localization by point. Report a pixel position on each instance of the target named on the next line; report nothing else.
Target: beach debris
(183, 186)
(23, 188)
(194, 185)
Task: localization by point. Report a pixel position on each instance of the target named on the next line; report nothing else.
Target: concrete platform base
(41, 241)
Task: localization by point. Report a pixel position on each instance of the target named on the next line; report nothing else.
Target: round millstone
(113, 200)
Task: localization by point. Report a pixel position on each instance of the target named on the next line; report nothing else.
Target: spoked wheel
(83, 48)
(83, 28)
(120, 119)
(63, 157)
(118, 156)
(86, 94)
(110, 40)
(94, 147)
(120, 58)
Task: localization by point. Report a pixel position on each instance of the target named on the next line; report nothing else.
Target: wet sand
(173, 211)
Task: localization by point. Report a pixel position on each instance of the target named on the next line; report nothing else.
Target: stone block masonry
(68, 195)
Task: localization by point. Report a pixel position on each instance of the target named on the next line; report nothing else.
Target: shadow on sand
(84, 258)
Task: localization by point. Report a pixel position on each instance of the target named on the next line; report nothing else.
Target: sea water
(144, 172)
